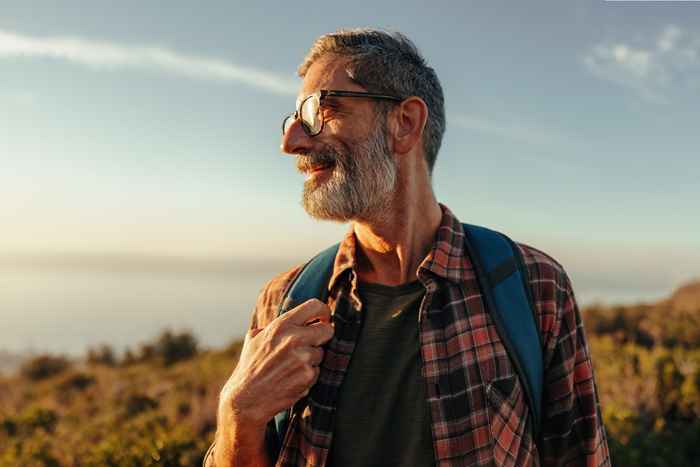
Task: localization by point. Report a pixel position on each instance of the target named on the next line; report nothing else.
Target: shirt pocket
(508, 421)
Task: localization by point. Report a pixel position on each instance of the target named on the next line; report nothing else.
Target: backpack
(503, 280)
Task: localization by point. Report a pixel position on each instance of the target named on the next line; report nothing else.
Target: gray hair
(388, 63)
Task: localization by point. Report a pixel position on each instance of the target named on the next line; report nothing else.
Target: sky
(152, 129)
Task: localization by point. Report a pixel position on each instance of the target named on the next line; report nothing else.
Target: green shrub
(102, 355)
(44, 366)
(32, 452)
(173, 348)
(45, 419)
(25, 424)
(10, 426)
(77, 381)
(139, 403)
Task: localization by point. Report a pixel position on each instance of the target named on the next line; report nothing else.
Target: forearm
(239, 445)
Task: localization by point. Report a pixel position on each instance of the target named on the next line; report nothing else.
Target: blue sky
(152, 128)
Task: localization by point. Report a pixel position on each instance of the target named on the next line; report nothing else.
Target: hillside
(156, 405)
(647, 363)
(686, 298)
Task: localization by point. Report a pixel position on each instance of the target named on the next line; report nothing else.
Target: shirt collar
(446, 258)
(345, 259)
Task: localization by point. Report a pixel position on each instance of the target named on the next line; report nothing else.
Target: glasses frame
(321, 95)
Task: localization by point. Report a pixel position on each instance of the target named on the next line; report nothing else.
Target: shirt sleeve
(572, 427)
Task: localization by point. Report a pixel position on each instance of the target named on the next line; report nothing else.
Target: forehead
(328, 72)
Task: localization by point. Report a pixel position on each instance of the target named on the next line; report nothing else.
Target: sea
(67, 310)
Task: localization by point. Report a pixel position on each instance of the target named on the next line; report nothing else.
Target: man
(403, 365)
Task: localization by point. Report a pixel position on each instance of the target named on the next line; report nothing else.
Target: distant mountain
(671, 322)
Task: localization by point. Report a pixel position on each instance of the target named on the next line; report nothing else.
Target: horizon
(67, 307)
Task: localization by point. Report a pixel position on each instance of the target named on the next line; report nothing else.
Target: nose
(295, 140)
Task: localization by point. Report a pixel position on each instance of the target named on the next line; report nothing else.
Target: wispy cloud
(520, 133)
(108, 56)
(670, 60)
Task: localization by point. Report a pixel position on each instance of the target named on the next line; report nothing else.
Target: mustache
(307, 162)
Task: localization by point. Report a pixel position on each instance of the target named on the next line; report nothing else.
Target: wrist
(232, 413)
(237, 425)
(239, 443)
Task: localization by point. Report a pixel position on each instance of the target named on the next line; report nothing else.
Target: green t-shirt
(382, 416)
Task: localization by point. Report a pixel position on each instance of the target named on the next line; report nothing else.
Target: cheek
(350, 128)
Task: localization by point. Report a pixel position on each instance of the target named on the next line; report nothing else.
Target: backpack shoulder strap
(310, 282)
(502, 276)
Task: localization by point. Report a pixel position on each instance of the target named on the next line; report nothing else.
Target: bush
(27, 423)
(10, 426)
(173, 348)
(40, 418)
(146, 443)
(129, 358)
(674, 445)
(147, 352)
(168, 348)
(139, 403)
(44, 366)
(31, 452)
(76, 381)
(102, 355)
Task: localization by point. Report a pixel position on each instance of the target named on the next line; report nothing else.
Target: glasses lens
(310, 115)
(288, 120)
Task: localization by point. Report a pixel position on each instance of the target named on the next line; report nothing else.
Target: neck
(392, 246)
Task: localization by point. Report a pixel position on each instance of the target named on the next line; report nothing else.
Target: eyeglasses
(309, 109)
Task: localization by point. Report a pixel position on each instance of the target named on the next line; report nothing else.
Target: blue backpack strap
(503, 278)
(310, 282)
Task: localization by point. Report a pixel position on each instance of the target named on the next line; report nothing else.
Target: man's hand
(277, 367)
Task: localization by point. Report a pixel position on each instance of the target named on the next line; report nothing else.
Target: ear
(409, 119)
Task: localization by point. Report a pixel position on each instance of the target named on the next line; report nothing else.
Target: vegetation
(44, 366)
(156, 404)
(647, 363)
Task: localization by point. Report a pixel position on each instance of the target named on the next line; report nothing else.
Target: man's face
(350, 171)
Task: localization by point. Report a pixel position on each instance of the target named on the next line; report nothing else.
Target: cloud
(671, 61)
(515, 132)
(107, 56)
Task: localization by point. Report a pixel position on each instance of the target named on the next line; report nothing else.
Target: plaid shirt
(478, 409)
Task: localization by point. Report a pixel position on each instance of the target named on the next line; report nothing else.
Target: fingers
(317, 356)
(249, 335)
(310, 310)
(309, 377)
(312, 356)
(315, 334)
(252, 333)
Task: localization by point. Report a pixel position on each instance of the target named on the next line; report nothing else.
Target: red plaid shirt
(479, 414)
